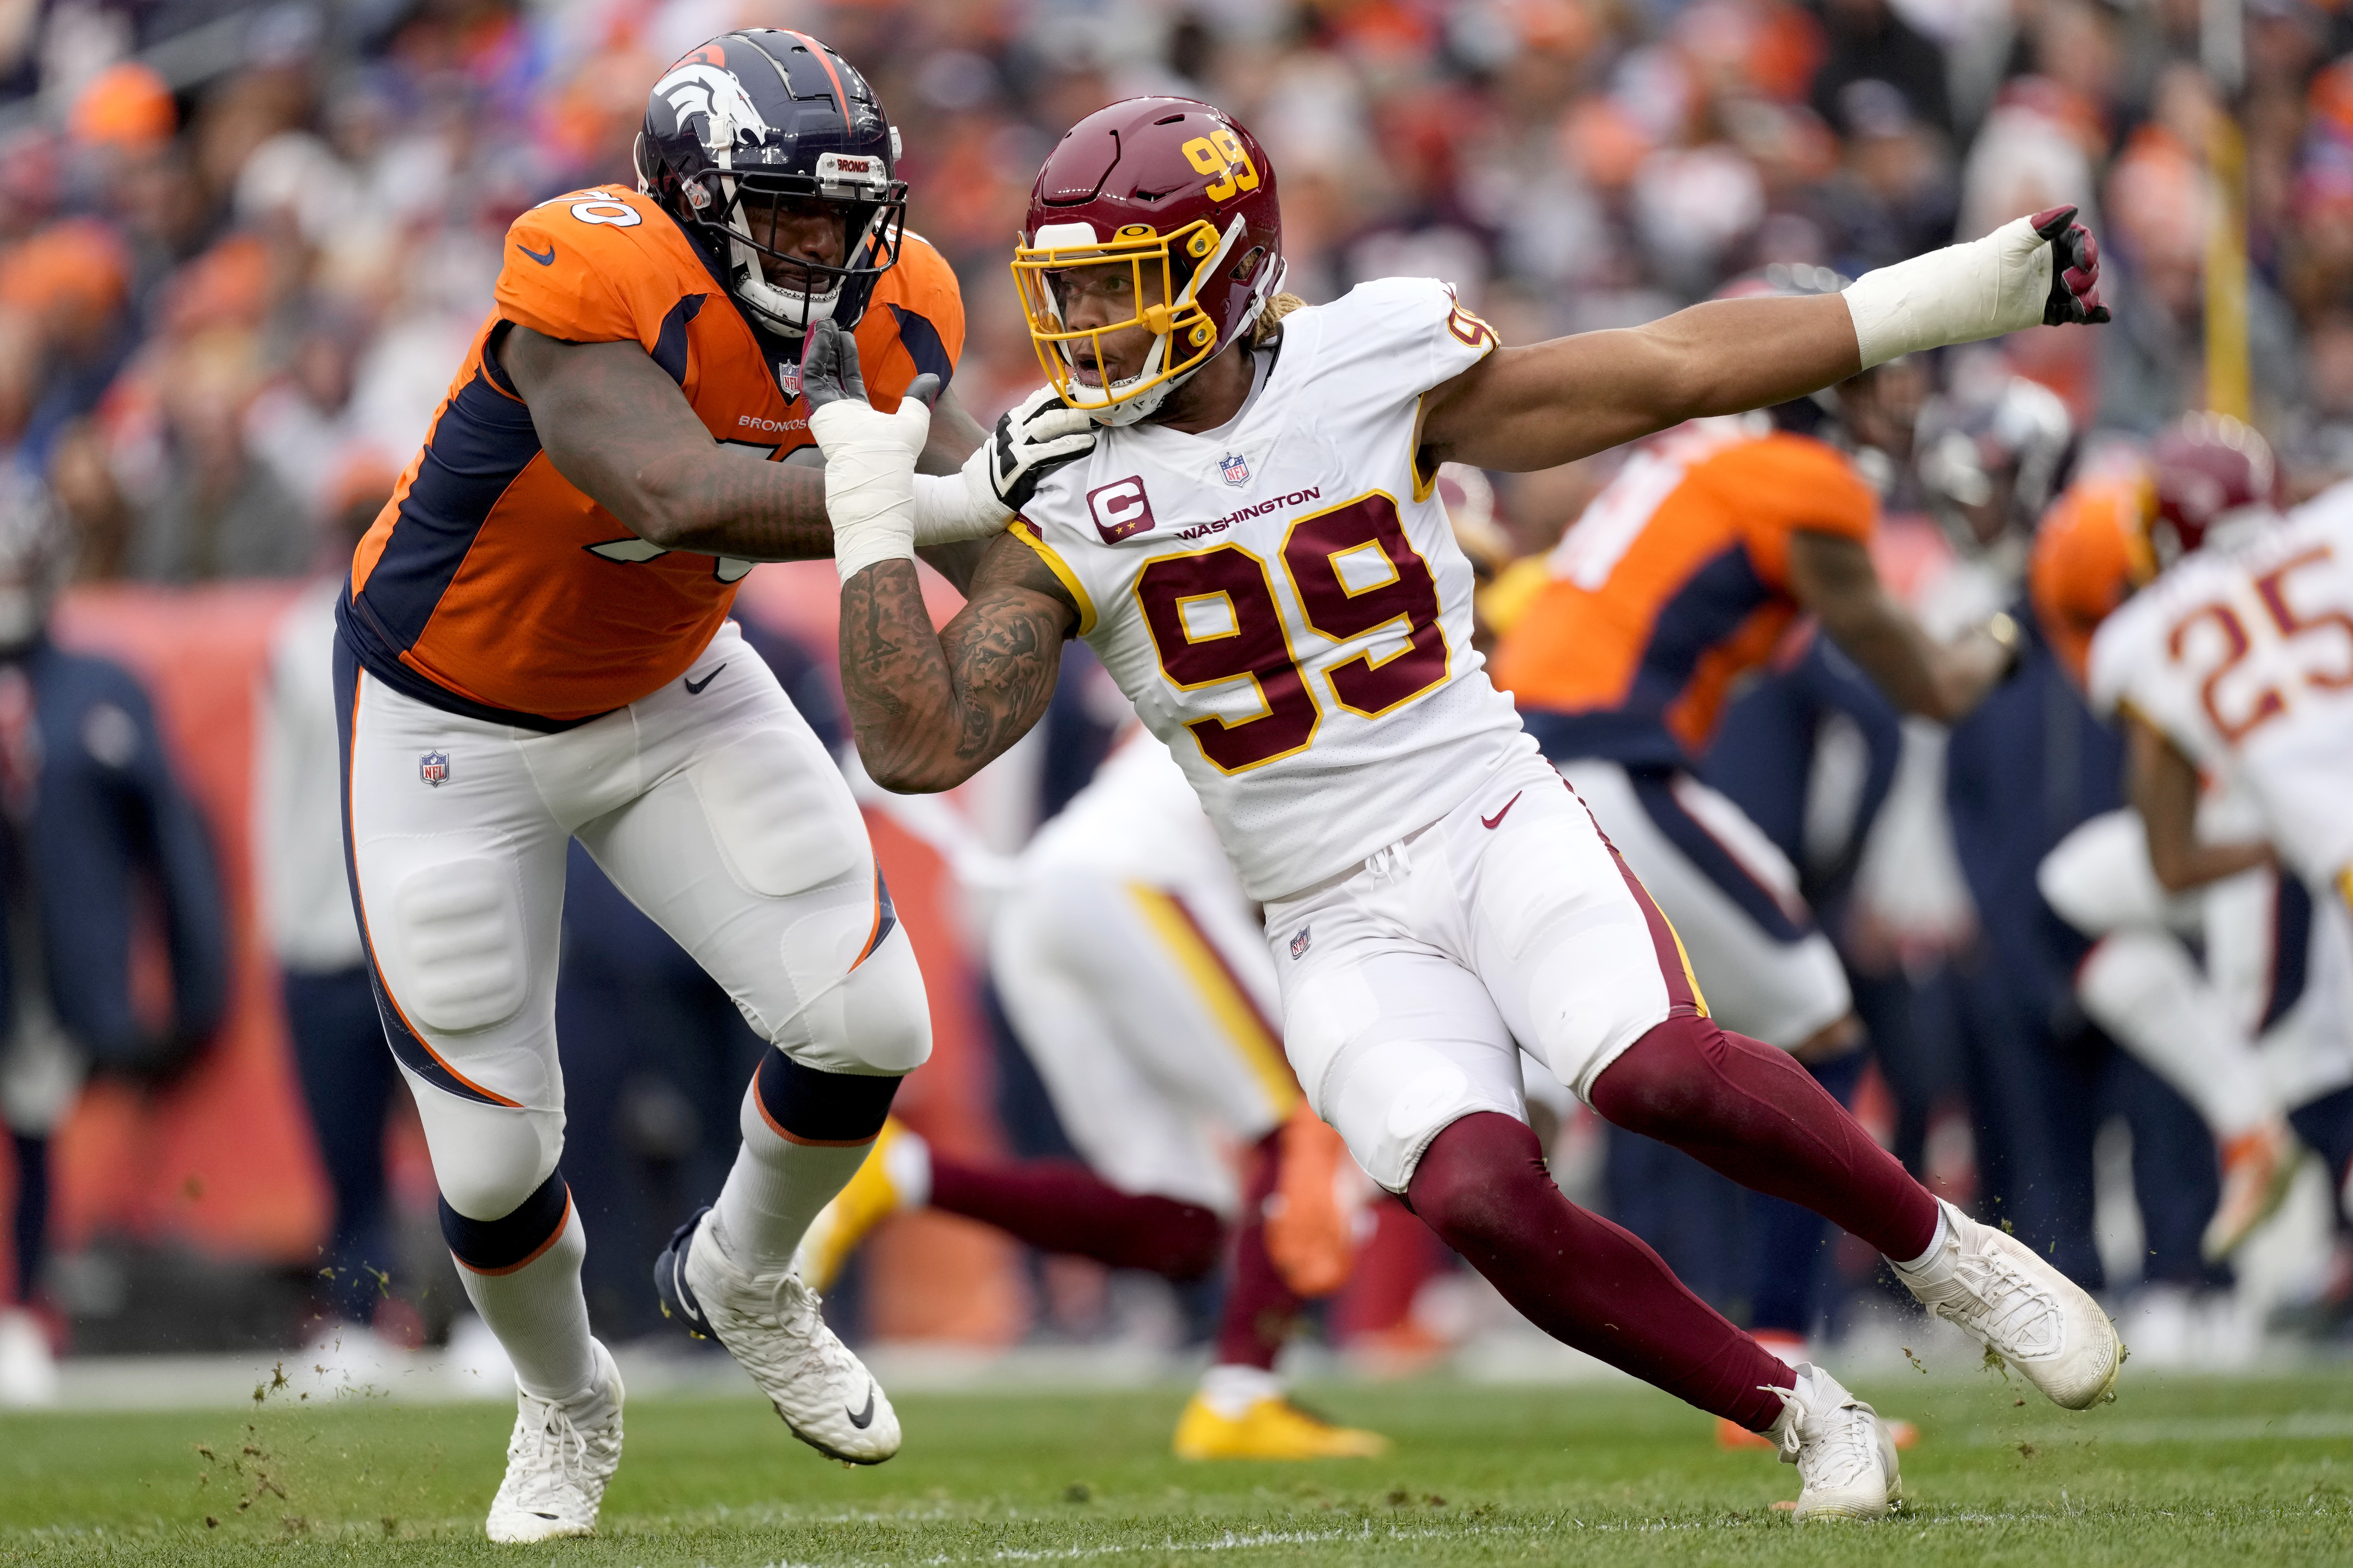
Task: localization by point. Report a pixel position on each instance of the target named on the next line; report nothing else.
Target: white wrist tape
(952, 507)
(870, 474)
(1957, 295)
(888, 536)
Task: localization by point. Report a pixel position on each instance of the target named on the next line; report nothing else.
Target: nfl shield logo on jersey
(1299, 945)
(433, 767)
(1236, 470)
(789, 377)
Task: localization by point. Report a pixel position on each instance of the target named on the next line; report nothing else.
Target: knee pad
(460, 959)
(806, 1105)
(514, 1239)
(862, 1005)
(487, 1160)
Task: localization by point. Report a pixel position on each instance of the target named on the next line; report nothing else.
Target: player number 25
(2270, 701)
(1244, 638)
(1220, 156)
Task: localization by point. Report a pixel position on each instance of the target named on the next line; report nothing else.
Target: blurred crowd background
(244, 248)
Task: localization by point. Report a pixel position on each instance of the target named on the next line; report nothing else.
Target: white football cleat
(1993, 1287)
(1844, 1454)
(771, 1325)
(558, 1461)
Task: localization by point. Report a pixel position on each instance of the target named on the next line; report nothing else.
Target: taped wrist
(1958, 295)
(889, 536)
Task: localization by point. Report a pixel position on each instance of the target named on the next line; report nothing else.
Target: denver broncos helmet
(755, 127)
(1184, 196)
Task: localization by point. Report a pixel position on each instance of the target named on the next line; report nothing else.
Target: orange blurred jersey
(2090, 550)
(491, 585)
(1673, 583)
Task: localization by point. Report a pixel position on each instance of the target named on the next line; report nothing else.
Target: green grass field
(2180, 1472)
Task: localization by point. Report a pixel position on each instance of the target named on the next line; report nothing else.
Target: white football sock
(1231, 1390)
(2143, 988)
(1944, 1233)
(541, 1317)
(775, 1189)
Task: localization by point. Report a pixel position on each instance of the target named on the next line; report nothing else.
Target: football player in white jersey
(1250, 543)
(2233, 668)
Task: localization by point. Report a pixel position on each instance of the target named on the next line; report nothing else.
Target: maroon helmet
(2211, 470)
(1184, 196)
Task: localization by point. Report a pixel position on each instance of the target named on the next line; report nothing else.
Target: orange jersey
(1673, 583)
(490, 584)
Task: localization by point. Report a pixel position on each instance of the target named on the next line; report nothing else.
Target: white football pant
(1411, 983)
(710, 804)
(1145, 1011)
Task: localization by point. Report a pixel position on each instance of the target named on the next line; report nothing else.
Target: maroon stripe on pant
(1683, 999)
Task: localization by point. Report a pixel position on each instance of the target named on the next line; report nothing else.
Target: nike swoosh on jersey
(694, 689)
(1497, 820)
(548, 260)
(862, 1419)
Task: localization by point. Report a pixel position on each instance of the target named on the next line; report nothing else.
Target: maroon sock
(1754, 1114)
(1060, 1206)
(1260, 1308)
(1482, 1185)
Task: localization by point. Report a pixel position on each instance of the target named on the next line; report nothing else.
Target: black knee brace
(828, 1110)
(503, 1245)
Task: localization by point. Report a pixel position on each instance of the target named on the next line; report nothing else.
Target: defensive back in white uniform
(2242, 655)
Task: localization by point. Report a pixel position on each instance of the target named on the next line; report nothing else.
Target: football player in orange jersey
(534, 645)
(1254, 548)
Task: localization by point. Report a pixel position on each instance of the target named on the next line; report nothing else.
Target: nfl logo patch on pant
(433, 767)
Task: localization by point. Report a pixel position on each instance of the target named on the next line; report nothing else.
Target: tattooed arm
(930, 708)
(615, 425)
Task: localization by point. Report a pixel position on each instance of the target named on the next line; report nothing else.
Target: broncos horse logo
(729, 117)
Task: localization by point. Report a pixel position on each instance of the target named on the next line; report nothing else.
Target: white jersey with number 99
(1282, 598)
(2242, 655)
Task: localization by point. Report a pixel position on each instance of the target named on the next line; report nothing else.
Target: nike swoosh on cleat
(1496, 820)
(693, 690)
(862, 1419)
(548, 260)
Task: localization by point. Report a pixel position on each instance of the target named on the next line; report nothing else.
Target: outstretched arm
(930, 709)
(1537, 407)
(2162, 784)
(1832, 575)
(1552, 403)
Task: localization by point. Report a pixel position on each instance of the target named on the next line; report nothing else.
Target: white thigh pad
(461, 960)
(784, 819)
(1394, 1047)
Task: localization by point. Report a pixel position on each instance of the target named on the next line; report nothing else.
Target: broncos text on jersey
(491, 586)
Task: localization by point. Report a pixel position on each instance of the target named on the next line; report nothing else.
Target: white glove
(870, 457)
(2043, 270)
(962, 505)
(1034, 437)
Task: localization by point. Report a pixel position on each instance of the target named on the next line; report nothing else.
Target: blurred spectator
(347, 1074)
(91, 819)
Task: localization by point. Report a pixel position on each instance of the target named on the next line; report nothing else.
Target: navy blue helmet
(753, 133)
